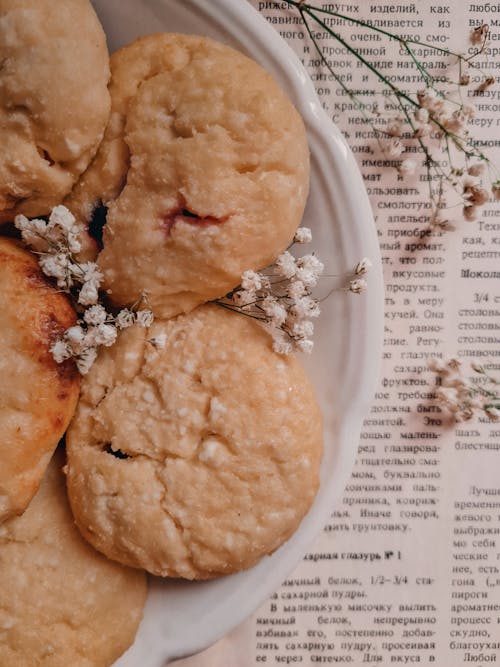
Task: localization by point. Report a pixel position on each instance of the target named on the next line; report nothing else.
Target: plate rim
(247, 26)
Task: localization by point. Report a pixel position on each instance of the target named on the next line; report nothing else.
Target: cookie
(54, 102)
(37, 395)
(195, 448)
(204, 171)
(105, 177)
(61, 602)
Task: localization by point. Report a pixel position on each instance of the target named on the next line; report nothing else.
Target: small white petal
(303, 235)
(144, 318)
(363, 266)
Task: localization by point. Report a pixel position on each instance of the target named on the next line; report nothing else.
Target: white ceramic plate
(182, 618)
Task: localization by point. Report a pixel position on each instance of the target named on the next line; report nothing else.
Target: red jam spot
(183, 214)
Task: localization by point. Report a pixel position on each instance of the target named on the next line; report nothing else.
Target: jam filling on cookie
(180, 213)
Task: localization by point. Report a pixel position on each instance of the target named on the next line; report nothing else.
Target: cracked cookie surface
(204, 170)
(196, 458)
(37, 395)
(62, 604)
(54, 102)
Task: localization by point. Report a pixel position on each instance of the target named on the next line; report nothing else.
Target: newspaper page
(407, 569)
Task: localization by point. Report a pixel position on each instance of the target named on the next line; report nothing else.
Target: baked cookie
(204, 170)
(62, 604)
(195, 448)
(37, 395)
(54, 102)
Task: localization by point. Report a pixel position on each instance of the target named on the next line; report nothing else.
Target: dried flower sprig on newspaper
(56, 242)
(356, 283)
(463, 397)
(280, 296)
(427, 126)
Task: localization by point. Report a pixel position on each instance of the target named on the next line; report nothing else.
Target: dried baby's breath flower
(309, 269)
(296, 289)
(392, 147)
(275, 311)
(474, 194)
(85, 360)
(56, 241)
(484, 85)
(362, 266)
(408, 167)
(251, 281)
(302, 329)
(476, 169)
(282, 346)
(422, 114)
(305, 345)
(285, 265)
(244, 297)
(460, 395)
(429, 118)
(125, 319)
(357, 285)
(493, 413)
(103, 334)
(303, 235)
(471, 213)
(437, 365)
(95, 315)
(304, 307)
(76, 340)
(144, 318)
(60, 351)
(479, 34)
(280, 298)
(89, 294)
(395, 129)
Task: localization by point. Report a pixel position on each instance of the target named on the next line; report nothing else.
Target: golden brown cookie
(37, 395)
(54, 102)
(204, 169)
(195, 448)
(62, 604)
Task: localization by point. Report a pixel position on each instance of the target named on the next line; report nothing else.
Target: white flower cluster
(474, 195)
(441, 118)
(462, 397)
(479, 35)
(281, 298)
(56, 242)
(357, 284)
(453, 120)
(61, 231)
(97, 328)
(444, 113)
